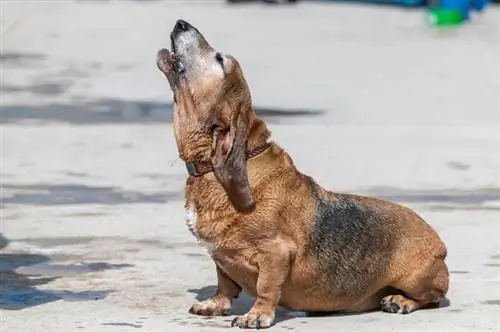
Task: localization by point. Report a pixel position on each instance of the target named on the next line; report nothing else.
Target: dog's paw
(254, 320)
(398, 304)
(211, 307)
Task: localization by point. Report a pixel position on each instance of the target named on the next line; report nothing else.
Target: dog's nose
(182, 25)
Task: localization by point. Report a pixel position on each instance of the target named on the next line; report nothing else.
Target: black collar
(198, 168)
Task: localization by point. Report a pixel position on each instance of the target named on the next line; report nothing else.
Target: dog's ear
(229, 157)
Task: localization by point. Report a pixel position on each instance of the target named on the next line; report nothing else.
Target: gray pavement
(366, 99)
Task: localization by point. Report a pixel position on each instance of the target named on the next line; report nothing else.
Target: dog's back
(363, 246)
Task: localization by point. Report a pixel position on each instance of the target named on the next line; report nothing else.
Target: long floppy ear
(229, 158)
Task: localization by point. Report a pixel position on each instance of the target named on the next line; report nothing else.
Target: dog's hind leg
(220, 303)
(424, 287)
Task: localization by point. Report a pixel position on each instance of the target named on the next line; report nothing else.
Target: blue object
(452, 12)
(479, 5)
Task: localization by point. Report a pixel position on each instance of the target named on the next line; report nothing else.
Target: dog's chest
(193, 223)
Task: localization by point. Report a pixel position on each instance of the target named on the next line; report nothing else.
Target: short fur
(273, 231)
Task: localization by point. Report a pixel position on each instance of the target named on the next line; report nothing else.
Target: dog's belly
(305, 290)
(313, 297)
(301, 291)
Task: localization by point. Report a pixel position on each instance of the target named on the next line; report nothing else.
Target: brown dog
(271, 230)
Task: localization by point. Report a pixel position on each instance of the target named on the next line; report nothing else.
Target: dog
(271, 230)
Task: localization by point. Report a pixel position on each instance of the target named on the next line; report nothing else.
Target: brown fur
(275, 233)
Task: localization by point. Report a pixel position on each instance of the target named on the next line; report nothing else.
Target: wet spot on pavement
(13, 59)
(83, 214)
(167, 245)
(74, 194)
(195, 255)
(495, 256)
(205, 323)
(3, 241)
(124, 67)
(132, 244)
(154, 176)
(116, 111)
(267, 113)
(18, 292)
(95, 65)
(453, 196)
(73, 73)
(469, 207)
(77, 174)
(58, 241)
(459, 272)
(136, 326)
(492, 264)
(16, 260)
(176, 319)
(151, 243)
(457, 165)
(491, 302)
(42, 88)
(66, 270)
(22, 273)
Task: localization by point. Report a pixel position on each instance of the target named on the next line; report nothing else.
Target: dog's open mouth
(169, 62)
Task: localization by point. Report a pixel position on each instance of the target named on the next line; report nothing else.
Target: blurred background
(395, 100)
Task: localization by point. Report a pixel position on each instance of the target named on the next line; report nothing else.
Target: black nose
(182, 25)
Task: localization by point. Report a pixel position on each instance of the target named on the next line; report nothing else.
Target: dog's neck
(257, 142)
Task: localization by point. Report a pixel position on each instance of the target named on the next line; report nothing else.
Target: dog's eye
(219, 58)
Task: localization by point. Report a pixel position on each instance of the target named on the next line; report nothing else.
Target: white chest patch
(191, 221)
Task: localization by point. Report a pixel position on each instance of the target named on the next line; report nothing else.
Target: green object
(441, 16)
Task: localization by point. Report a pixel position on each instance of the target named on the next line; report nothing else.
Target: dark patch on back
(350, 241)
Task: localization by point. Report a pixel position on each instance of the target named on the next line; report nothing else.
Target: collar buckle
(191, 168)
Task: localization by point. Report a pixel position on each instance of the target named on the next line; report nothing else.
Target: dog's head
(213, 112)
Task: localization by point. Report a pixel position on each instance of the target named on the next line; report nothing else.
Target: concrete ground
(366, 99)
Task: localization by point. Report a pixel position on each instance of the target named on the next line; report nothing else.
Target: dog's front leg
(273, 270)
(220, 303)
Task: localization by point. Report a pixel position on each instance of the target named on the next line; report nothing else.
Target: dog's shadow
(244, 302)
(241, 305)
